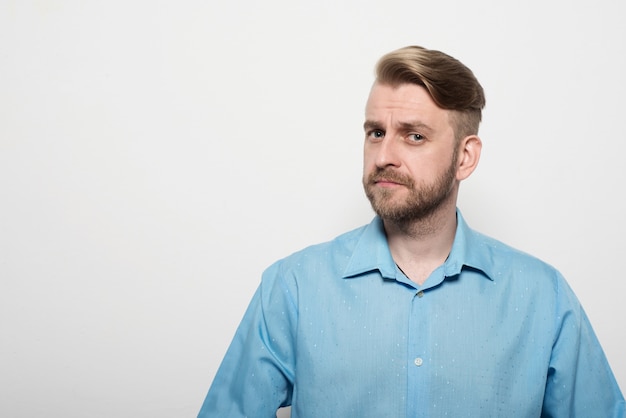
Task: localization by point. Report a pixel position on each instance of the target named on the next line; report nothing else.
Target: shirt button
(420, 294)
(418, 361)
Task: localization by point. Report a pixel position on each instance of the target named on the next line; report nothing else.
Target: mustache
(388, 174)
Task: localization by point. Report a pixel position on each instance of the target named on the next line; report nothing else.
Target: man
(415, 314)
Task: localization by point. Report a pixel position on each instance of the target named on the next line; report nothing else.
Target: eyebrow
(404, 126)
(370, 124)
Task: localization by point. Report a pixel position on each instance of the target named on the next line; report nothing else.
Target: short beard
(421, 203)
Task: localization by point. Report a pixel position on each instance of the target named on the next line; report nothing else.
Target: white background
(156, 156)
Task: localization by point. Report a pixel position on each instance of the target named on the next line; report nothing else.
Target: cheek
(369, 165)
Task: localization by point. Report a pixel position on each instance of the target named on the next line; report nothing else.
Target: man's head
(422, 118)
(451, 85)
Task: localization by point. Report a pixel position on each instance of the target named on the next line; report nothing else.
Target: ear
(469, 154)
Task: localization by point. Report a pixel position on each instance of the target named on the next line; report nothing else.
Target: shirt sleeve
(256, 375)
(580, 382)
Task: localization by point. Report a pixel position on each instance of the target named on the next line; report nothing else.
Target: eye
(375, 134)
(415, 137)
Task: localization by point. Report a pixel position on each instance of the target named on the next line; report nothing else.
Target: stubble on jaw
(422, 202)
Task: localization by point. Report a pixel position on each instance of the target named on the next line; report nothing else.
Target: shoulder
(309, 271)
(517, 275)
(503, 262)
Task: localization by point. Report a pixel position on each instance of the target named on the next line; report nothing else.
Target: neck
(422, 245)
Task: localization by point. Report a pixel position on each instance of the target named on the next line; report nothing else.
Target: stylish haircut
(449, 82)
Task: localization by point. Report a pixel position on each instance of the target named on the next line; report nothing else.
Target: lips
(388, 178)
(384, 182)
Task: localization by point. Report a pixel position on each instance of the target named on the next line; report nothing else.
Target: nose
(388, 153)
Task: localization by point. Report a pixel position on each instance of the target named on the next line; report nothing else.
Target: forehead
(403, 102)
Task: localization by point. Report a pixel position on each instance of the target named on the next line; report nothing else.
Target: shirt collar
(470, 249)
(371, 253)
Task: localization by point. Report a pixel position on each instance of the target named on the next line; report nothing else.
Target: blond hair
(449, 82)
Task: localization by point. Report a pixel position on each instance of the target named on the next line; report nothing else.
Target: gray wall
(156, 156)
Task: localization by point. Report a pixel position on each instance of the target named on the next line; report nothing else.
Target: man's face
(410, 155)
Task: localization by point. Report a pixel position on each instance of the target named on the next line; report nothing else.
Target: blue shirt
(337, 330)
